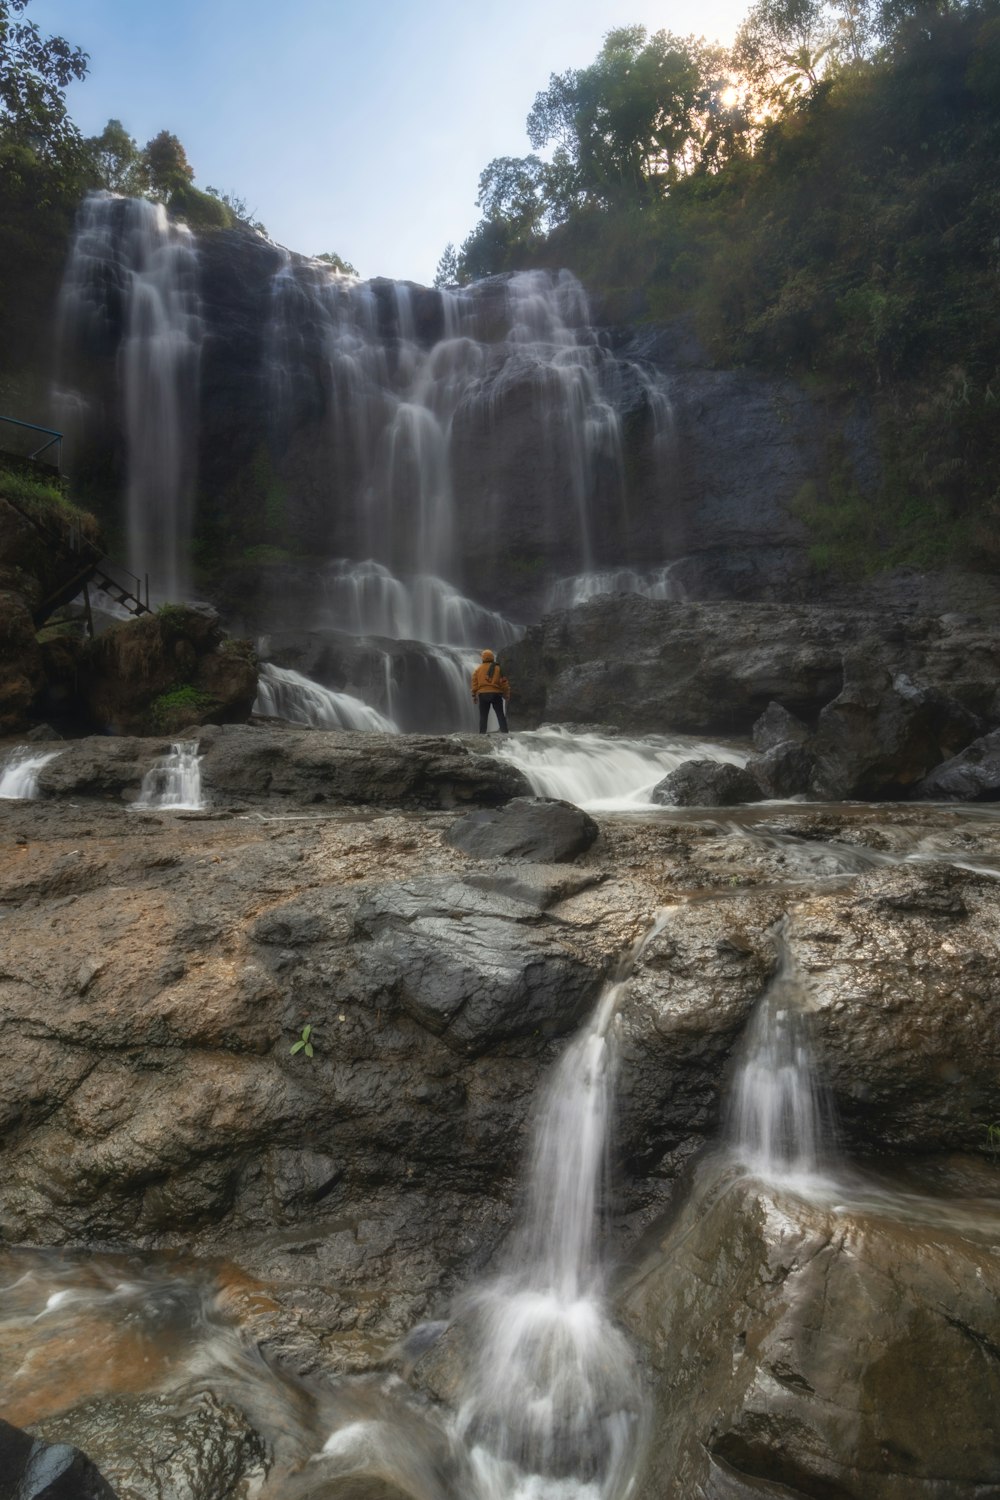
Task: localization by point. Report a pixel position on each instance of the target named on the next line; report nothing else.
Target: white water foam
(285, 694)
(781, 1123)
(19, 776)
(174, 783)
(655, 583)
(601, 773)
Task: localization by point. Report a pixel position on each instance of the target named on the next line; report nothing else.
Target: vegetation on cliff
(824, 200)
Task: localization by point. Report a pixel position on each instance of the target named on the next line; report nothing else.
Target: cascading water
(367, 599)
(285, 694)
(781, 1123)
(19, 773)
(605, 774)
(552, 1405)
(129, 249)
(174, 783)
(656, 583)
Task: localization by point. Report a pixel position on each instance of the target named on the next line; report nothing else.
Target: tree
(118, 162)
(35, 71)
(780, 49)
(447, 267)
(167, 165)
(634, 121)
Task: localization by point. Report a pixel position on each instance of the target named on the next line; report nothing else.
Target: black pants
(494, 701)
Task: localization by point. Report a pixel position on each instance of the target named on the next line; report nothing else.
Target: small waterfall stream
(19, 773)
(781, 1124)
(552, 1405)
(174, 783)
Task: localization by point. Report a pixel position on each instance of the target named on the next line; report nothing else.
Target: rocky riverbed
(158, 970)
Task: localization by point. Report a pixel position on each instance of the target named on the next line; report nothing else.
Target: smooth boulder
(707, 783)
(971, 776)
(33, 1469)
(541, 830)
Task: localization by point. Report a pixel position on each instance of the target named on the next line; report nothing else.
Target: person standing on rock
(490, 689)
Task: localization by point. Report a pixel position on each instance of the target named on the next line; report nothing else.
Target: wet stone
(537, 829)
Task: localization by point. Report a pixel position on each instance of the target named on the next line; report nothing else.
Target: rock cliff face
(713, 668)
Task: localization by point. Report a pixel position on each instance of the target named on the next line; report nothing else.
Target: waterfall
(552, 1406)
(398, 394)
(285, 694)
(656, 583)
(19, 775)
(602, 773)
(174, 783)
(781, 1123)
(130, 251)
(365, 598)
(553, 1393)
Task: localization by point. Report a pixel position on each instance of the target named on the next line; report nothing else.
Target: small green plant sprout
(303, 1044)
(993, 1137)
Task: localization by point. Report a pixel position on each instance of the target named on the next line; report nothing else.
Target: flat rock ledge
(288, 766)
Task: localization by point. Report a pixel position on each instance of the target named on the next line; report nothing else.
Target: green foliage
(167, 166)
(993, 1138)
(119, 165)
(338, 263)
(184, 697)
(304, 1043)
(35, 71)
(264, 553)
(447, 267)
(44, 170)
(839, 224)
(239, 210)
(200, 210)
(45, 501)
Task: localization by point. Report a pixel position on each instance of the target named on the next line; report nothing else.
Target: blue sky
(346, 127)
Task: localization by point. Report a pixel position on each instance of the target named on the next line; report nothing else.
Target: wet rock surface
(714, 668)
(810, 1350)
(285, 768)
(972, 776)
(165, 1447)
(706, 783)
(538, 829)
(33, 1469)
(157, 972)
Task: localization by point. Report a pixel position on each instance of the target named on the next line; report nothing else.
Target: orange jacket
(483, 683)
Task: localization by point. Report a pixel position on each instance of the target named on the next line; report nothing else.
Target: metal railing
(54, 439)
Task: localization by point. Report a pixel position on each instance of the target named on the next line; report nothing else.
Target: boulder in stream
(971, 776)
(706, 783)
(32, 1468)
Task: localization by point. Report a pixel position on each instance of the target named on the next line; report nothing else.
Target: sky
(348, 127)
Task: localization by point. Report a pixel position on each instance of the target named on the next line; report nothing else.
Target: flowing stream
(19, 773)
(603, 773)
